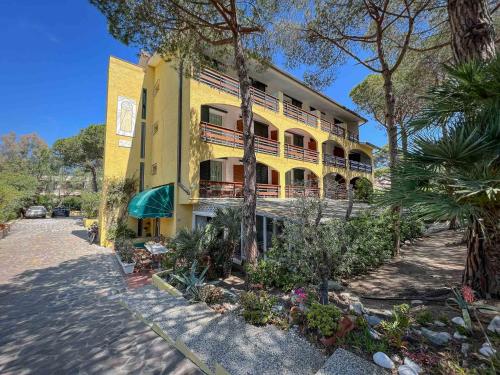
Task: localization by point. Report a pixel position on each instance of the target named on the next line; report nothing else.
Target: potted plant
(324, 318)
(125, 255)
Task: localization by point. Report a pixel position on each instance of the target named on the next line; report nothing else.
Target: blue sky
(53, 69)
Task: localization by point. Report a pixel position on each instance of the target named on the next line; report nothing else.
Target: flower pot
(127, 268)
(328, 341)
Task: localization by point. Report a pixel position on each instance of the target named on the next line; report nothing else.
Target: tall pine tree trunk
(392, 134)
(249, 160)
(472, 32)
(482, 267)
(93, 171)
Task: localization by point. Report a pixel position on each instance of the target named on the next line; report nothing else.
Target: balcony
(298, 114)
(218, 135)
(358, 166)
(222, 82)
(293, 191)
(353, 137)
(218, 189)
(332, 128)
(334, 161)
(300, 153)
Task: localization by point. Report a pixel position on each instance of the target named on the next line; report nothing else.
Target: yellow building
(167, 129)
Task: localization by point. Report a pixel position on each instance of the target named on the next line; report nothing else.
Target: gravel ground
(343, 362)
(56, 314)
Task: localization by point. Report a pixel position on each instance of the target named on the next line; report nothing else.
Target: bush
(211, 294)
(72, 202)
(125, 249)
(397, 326)
(257, 307)
(119, 230)
(324, 318)
(90, 204)
(411, 227)
(363, 190)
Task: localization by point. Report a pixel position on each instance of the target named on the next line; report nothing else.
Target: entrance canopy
(153, 203)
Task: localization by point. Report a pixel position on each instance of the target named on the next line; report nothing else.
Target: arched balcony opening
(300, 181)
(334, 186)
(222, 124)
(333, 154)
(300, 145)
(363, 188)
(224, 178)
(359, 161)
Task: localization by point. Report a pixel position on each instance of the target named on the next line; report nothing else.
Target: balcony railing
(227, 84)
(223, 189)
(332, 128)
(334, 161)
(353, 137)
(299, 114)
(293, 191)
(300, 153)
(339, 192)
(357, 166)
(227, 137)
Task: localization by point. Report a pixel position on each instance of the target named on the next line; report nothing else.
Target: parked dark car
(60, 211)
(36, 212)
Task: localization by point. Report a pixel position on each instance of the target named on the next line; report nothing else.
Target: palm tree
(227, 225)
(458, 174)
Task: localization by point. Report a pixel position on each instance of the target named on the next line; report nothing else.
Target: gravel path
(56, 314)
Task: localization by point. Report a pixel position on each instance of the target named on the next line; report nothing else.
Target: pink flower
(468, 294)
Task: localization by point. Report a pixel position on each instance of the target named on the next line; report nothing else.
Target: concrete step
(343, 362)
(229, 345)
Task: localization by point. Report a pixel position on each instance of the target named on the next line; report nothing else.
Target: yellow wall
(126, 79)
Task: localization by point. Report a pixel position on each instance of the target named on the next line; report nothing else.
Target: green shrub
(72, 202)
(257, 307)
(397, 326)
(119, 230)
(424, 317)
(363, 190)
(90, 204)
(324, 318)
(125, 249)
(211, 294)
(364, 342)
(411, 227)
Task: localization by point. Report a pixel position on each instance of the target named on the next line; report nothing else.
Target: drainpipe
(179, 129)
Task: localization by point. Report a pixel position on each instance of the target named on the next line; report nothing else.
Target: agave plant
(192, 281)
(463, 305)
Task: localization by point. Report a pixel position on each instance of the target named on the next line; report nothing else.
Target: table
(156, 250)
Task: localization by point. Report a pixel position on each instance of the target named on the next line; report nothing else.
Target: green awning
(151, 203)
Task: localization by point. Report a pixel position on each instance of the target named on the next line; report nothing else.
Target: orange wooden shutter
(312, 145)
(275, 177)
(239, 125)
(274, 135)
(238, 173)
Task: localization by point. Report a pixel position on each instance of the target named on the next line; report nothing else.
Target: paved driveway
(56, 314)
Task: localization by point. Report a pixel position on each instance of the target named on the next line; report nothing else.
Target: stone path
(226, 342)
(59, 313)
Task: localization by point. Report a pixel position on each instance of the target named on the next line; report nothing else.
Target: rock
(437, 338)
(465, 349)
(374, 334)
(494, 325)
(406, 370)
(357, 307)
(335, 286)
(416, 302)
(407, 242)
(458, 336)
(386, 313)
(383, 360)
(372, 320)
(439, 323)
(487, 350)
(408, 362)
(459, 321)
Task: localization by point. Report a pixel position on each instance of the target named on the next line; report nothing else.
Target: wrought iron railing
(300, 153)
(334, 161)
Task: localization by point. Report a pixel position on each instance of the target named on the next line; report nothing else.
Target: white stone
(487, 350)
(408, 362)
(417, 302)
(439, 323)
(437, 338)
(372, 320)
(383, 360)
(406, 370)
(459, 321)
(494, 325)
(374, 334)
(458, 336)
(357, 307)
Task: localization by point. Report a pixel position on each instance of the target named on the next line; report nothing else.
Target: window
(298, 140)
(157, 87)
(212, 115)
(141, 176)
(260, 129)
(261, 174)
(155, 128)
(258, 85)
(144, 103)
(294, 101)
(154, 169)
(211, 170)
(143, 139)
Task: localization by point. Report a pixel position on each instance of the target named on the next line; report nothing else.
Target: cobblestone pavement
(57, 312)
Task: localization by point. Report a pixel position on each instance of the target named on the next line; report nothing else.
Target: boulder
(487, 350)
(383, 360)
(437, 338)
(372, 320)
(406, 370)
(408, 362)
(459, 321)
(494, 325)
(357, 307)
